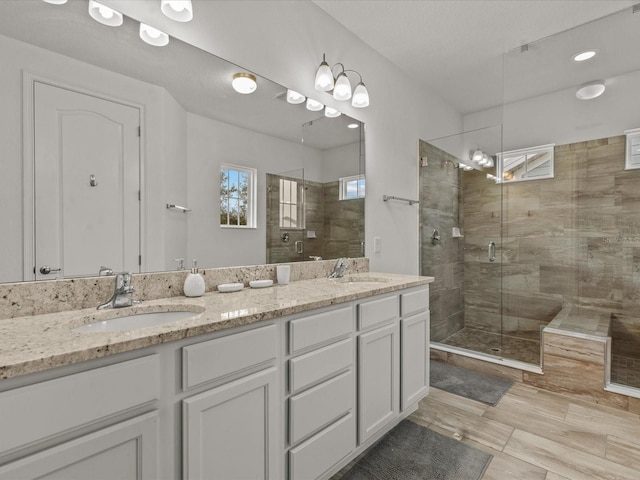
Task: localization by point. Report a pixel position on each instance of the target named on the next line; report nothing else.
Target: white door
(86, 181)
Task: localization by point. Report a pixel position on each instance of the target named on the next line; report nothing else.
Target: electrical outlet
(377, 244)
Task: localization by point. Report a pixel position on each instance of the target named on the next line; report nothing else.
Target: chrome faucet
(122, 293)
(339, 268)
(105, 271)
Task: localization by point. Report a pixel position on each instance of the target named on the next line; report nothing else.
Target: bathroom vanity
(283, 382)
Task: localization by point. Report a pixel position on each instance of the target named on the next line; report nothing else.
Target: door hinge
(139, 195)
(139, 260)
(139, 131)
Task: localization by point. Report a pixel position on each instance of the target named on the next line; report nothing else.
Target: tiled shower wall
(570, 241)
(338, 224)
(441, 209)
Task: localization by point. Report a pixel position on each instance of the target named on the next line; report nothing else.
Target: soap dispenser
(194, 283)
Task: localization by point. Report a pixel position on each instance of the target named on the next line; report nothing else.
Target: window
(352, 187)
(532, 163)
(291, 204)
(237, 197)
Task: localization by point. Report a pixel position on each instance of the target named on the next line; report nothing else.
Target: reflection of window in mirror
(237, 196)
(533, 163)
(352, 187)
(291, 204)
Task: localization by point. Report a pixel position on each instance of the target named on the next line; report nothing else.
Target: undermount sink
(361, 279)
(134, 321)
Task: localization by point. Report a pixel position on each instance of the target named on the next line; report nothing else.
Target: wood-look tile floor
(538, 435)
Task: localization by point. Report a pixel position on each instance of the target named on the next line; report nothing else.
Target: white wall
(284, 41)
(212, 143)
(340, 162)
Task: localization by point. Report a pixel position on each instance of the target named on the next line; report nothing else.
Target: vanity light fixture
(314, 105)
(294, 97)
(331, 112)
(56, 2)
(477, 155)
(591, 90)
(340, 86)
(153, 36)
(105, 15)
(586, 55)
(244, 83)
(178, 10)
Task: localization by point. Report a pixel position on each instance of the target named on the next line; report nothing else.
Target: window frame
(298, 205)
(525, 152)
(251, 195)
(343, 187)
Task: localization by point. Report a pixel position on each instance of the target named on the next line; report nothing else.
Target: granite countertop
(35, 343)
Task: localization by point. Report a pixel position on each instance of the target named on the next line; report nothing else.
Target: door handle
(492, 252)
(299, 247)
(47, 270)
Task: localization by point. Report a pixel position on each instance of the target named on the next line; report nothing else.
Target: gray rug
(467, 383)
(413, 452)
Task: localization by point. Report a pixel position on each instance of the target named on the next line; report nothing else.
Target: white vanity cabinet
(321, 393)
(44, 424)
(231, 430)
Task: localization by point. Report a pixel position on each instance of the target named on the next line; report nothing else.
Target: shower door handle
(492, 252)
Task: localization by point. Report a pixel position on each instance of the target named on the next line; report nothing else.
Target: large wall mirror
(113, 150)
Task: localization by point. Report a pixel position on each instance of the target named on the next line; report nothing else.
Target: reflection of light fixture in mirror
(590, 90)
(178, 10)
(295, 97)
(331, 112)
(314, 105)
(153, 36)
(56, 2)
(486, 161)
(105, 15)
(477, 155)
(465, 167)
(244, 83)
(353, 125)
(324, 77)
(586, 55)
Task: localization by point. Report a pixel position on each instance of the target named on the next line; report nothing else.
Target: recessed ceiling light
(353, 125)
(591, 90)
(56, 2)
(586, 55)
(244, 83)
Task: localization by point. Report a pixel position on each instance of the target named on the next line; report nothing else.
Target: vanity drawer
(321, 452)
(315, 366)
(414, 302)
(211, 360)
(52, 407)
(319, 406)
(377, 311)
(320, 328)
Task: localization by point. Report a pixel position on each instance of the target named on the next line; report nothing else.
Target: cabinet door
(414, 333)
(126, 451)
(378, 379)
(231, 432)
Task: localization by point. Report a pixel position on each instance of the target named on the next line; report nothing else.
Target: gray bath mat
(413, 452)
(467, 383)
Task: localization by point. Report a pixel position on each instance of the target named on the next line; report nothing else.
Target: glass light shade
(489, 162)
(360, 96)
(477, 156)
(324, 77)
(590, 90)
(153, 36)
(178, 10)
(295, 97)
(485, 160)
(314, 105)
(56, 2)
(244, 83)
(105, 15)
(342, 88)
(331, 112)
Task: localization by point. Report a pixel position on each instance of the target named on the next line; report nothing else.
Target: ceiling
(456, 47)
